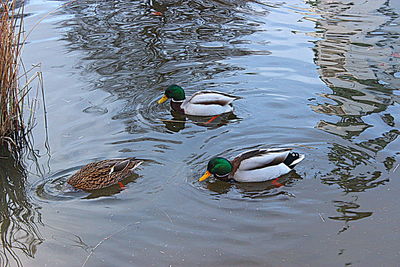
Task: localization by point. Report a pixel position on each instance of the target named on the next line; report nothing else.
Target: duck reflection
(255, 190)
(179, 120)
(177, 123)
(19, 218)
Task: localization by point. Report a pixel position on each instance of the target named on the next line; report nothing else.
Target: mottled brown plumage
(103, 173)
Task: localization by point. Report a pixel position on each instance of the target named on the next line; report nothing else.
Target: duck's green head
(217, 166)
(173, 91)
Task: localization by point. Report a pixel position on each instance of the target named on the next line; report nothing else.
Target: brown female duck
(103, 173)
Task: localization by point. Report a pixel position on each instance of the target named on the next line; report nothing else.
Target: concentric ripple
(55, 188)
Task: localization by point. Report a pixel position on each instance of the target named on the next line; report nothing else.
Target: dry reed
(13, 95)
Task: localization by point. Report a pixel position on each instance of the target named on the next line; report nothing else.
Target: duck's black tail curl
(292, 159)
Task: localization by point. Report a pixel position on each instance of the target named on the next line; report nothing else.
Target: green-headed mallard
(202, 103)
(254, 166)
(103, 173)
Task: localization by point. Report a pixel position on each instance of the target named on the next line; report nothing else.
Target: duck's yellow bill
(162, 99)
(205, 176)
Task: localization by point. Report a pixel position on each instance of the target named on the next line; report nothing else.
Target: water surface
(319, 76)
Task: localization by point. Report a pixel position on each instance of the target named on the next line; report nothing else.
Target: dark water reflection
(253, 190)
(19, 218)
(357, 60)
(178, 121)
(358, 66)
(319, 76)
(348, 213)
(136, 55)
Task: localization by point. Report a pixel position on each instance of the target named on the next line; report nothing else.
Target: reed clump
(11, 99)
(13, 92)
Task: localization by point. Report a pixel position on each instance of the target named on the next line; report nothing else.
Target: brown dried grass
(13, 94)
(11, 100)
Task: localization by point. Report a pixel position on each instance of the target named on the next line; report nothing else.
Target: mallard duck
(254, 166)
(202, 103)
(103, 173)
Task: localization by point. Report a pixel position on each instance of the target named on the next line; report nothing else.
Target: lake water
(320, 76)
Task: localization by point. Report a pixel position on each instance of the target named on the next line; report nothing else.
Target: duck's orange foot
(276, 183)
(212, 119)
(121, 185)
(156, 13)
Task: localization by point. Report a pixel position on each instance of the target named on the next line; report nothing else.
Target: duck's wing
(259, 159)
(210, 98)
(125, 164)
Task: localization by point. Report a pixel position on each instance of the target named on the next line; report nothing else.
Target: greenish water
(320, 76)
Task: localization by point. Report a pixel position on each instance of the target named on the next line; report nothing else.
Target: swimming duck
(103, 173)
(254, 166)
(202, 103)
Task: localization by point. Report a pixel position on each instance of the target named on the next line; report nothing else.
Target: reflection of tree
(356, 70)
(128, 46)
(355, 56)
(352, 65)
(379, 143)
(134, 55)
(19, 218)
(348, 213)
(352, 172)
